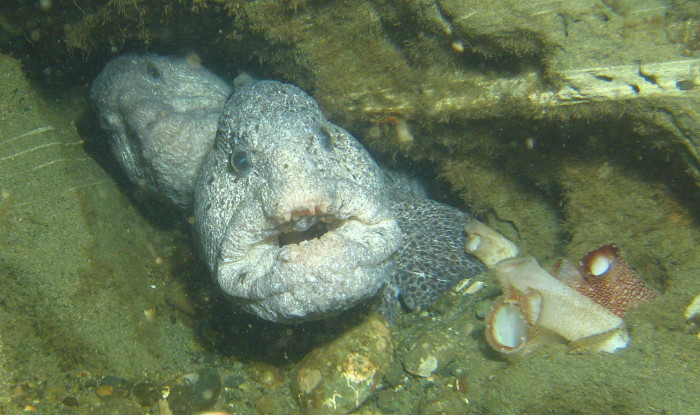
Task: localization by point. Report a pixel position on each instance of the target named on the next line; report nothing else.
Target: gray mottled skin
(160, 114)
(303, 176)
(294, 218)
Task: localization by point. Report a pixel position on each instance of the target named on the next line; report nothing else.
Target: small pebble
(112, 386)
(266, 406)
(266, 375)
(104, 391)
(70, 401)
(193, 392)
(146, 394)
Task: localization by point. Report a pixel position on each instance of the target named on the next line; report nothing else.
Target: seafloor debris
(337, 377)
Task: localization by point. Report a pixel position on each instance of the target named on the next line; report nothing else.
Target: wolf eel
(293, 217)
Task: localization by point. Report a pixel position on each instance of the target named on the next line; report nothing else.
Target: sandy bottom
(95, 281)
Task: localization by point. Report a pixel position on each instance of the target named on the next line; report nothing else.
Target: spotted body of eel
(293, 217)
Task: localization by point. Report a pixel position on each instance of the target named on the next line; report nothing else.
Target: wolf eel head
(292, 213)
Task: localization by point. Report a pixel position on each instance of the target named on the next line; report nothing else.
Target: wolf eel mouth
(307, 226)
(296, 256)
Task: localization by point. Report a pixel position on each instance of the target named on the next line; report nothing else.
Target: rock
(192, 392)
(266, 375)
(146, 394)
(265, 405)
(337, 377)
(447, 403)
(389, 401)
(395, 375)
(112, 386)
(431, 352)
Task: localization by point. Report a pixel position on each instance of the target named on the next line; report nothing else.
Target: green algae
(559, 180)
(75, 258)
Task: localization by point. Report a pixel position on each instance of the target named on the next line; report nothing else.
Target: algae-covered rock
(447, 403)
(192, 392)
(431, 352)
(337, 377)
(4, 378)
(388, 70)
(76, 257)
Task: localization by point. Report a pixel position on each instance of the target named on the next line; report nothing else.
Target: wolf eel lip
(283, 269)
(298, 226)
(313, 210)
(313, 235)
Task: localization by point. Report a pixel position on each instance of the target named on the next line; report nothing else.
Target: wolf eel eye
(153, 71)
(239, 161)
